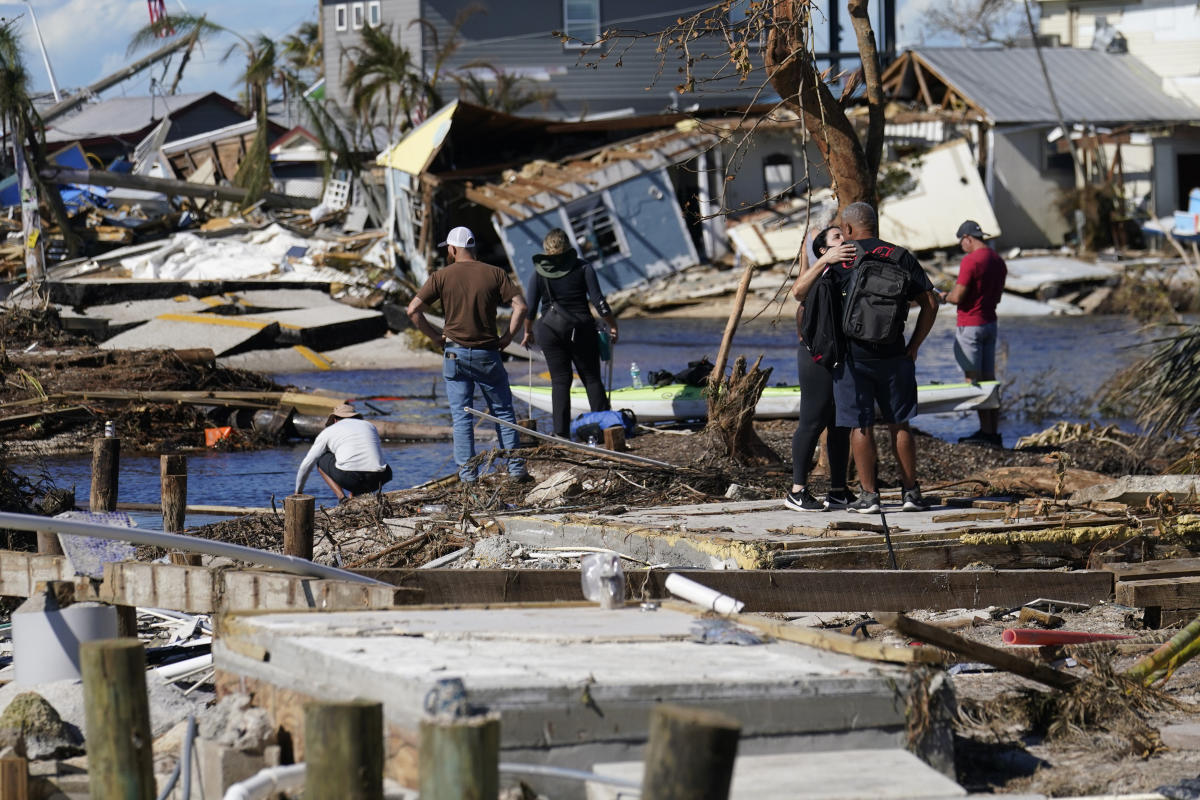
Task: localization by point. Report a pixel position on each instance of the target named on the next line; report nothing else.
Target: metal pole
(45, 58)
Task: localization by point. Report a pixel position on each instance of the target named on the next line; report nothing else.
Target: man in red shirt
(976, 293)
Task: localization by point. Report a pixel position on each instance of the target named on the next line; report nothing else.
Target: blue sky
(86, 39)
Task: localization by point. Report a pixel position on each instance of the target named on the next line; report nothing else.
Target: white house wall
(1165, 34)
(1024, 195)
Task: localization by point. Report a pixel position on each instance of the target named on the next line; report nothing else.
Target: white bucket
(46, 643)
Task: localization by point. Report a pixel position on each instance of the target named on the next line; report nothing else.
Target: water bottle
(592, 441)
(110, 429)
(635, 375)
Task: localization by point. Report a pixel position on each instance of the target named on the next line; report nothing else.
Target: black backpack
(875, 305)
(821, 327)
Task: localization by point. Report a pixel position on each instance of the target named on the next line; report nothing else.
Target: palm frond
(181, 24)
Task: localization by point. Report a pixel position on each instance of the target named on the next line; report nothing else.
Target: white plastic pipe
(701, 595)
(267, 782)
(179, 669)
(175, 541)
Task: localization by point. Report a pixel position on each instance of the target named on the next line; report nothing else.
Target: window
(357, 16)
(594, 229)
(1054, 160)
(777, 175)
(339, 17)
(374, 14)
(581, 22)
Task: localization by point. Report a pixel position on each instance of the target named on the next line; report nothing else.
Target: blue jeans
(463, 368)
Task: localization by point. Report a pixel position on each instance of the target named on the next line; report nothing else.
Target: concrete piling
(117, 710)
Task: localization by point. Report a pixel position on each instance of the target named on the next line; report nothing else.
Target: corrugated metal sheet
(118, 116)
(1090, 85)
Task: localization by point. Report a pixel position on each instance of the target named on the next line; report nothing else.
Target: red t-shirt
(982, 277)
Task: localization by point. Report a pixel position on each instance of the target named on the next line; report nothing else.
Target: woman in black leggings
(816, 393)
(566, 332)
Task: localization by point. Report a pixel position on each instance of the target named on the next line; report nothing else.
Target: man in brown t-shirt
(470, 291)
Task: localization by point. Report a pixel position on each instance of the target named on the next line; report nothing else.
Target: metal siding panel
(1090, 85)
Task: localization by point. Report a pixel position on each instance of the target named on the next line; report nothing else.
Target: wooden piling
(14, 778)
(690, 754)
(48, 545)
(117, 710)
(106, 467)
(343, 750)
(614, 439)
(173, 480)
(298, 510)
(460, 757)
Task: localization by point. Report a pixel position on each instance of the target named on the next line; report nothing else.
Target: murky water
(1068, 359)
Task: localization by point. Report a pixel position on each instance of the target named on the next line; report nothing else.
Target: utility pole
(31, 220)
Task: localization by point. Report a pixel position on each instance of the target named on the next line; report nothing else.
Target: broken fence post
(460, 757)
(690, 754)
(173, 478)
(117, 710)
(343, 750)
(298, 510)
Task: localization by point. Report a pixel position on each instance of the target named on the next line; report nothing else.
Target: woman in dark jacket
(566, 332)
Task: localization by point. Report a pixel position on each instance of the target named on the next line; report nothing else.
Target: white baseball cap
(459, 237)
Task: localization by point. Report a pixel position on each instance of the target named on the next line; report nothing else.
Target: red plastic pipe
(1040, 637)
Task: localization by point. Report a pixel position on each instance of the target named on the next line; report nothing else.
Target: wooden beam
(1154, 570)
(1168, 593)
(925, 95)
(770, 590)
(976, 651)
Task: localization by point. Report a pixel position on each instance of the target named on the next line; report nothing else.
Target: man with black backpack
(878, 367)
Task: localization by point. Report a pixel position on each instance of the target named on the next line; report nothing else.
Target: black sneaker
(995, 440)
(978, 438)
(913, 500)
(867, 503)
(839, 499)
(523, 478)
(803, 501)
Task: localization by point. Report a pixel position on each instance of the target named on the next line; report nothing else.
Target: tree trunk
(731, 413)
(793, 73)
(860, 17)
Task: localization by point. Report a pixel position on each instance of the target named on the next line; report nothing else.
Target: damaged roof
(541, 185)
(129, 116)
(1007, 85)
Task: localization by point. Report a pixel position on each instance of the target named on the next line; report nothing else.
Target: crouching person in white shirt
(347, 454)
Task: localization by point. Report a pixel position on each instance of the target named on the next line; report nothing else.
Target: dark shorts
(353, 480)
(860, 385)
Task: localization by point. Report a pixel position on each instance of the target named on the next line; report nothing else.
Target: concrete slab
(1038, 274)
(131, 311)
(574, 685)
(225, 335)
(757, 534)
(387, 352)
(325, 327)
(283, 298)
(840, 775)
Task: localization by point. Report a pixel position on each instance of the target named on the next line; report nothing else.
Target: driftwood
(731, 413)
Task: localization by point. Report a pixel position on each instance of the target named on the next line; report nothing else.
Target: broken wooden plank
(976, 651)
(769, 590)
(832, 641)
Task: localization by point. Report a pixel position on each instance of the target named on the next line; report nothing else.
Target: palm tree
(506, 93)
(260, 53)
(382, 79)
(302, 49)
